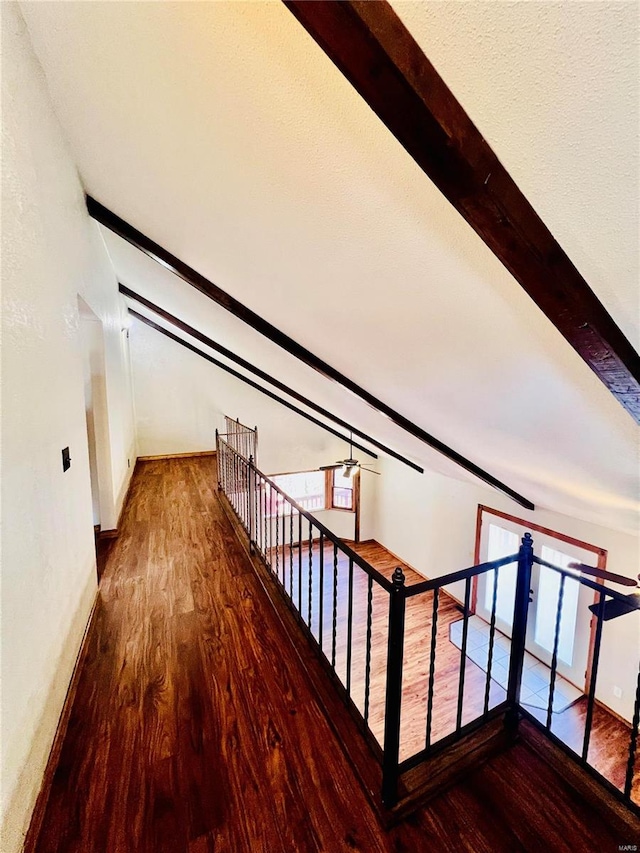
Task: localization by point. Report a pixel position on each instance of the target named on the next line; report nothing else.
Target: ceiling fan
(615, 607)
(348, 465)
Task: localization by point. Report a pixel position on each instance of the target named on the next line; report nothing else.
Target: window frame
(355, 491)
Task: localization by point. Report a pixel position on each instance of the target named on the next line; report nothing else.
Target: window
(341, 489)
(314, 491)
(306, 488)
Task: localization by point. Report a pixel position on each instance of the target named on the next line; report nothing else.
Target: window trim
(329, 487)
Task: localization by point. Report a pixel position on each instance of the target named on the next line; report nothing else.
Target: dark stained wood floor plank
(193, 729)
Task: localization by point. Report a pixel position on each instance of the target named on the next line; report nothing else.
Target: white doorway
(499, 536)
(97, 419)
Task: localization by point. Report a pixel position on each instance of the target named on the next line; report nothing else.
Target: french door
(500, 537)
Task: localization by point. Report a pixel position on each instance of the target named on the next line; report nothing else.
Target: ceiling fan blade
(330, 467)
(602, 573)
(370, 470)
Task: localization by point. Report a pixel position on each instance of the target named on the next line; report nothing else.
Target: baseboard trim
(113, 532)
(176, 455)
(42, 800)
(108, 534)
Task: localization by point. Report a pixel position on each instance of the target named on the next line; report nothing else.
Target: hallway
(192, 729)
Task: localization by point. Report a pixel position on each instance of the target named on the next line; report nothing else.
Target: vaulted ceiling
(223, 132)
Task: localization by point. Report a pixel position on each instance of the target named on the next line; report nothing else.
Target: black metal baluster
(633, 742)
(463, 652)
(432, 664)
(270, 530)
(349, 626)
(283, 555)
(236, 486)
(393, 693)
(334, 626)
(367, 666)
(310, 573)
(594, 675)
(247, 475)
(519, 631)
(290, 552)
(244, 493)
(260, 496)
(300, 564)
(250, 503)
(232, 476)
(321, 593)
(554, 657)
(265, 519)
(492, 635)
(277, 540)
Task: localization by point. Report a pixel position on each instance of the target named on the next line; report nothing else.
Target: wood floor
(417, 642)
(193, 730)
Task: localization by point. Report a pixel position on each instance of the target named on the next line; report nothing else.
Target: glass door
(501, 537)
(575, 623)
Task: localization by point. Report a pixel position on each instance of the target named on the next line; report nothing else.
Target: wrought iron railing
(355, 617)
(243, 439)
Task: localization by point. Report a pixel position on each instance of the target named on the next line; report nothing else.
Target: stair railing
(355, 618)
(243, 439)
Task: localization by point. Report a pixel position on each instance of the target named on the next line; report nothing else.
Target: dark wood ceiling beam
(262, 374)
(377, 54)
(123, 229)
(247, 381)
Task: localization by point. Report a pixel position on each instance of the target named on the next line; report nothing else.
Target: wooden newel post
(393, 699)
(518, 637)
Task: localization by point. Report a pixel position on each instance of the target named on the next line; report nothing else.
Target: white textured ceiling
(223, 132)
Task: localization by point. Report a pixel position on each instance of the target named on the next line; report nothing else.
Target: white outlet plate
(617, 692)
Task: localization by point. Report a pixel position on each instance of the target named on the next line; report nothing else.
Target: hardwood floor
(417, 642)
(193, 729)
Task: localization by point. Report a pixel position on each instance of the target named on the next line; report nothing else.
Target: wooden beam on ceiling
(132, 235)
(262, 374)
(371, 46)
(247, 381)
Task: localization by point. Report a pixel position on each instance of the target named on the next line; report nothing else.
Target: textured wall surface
(51, 252)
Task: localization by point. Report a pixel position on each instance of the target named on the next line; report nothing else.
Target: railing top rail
(598, 587)
(239, 426)
(461, 575)
(232, 449)
(349, 552)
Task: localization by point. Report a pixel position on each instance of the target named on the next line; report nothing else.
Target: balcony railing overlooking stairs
(243, 439)
(355, 617)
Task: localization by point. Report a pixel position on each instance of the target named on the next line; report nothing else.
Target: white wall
(430, 521)
(181, 399)
(51, 253)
